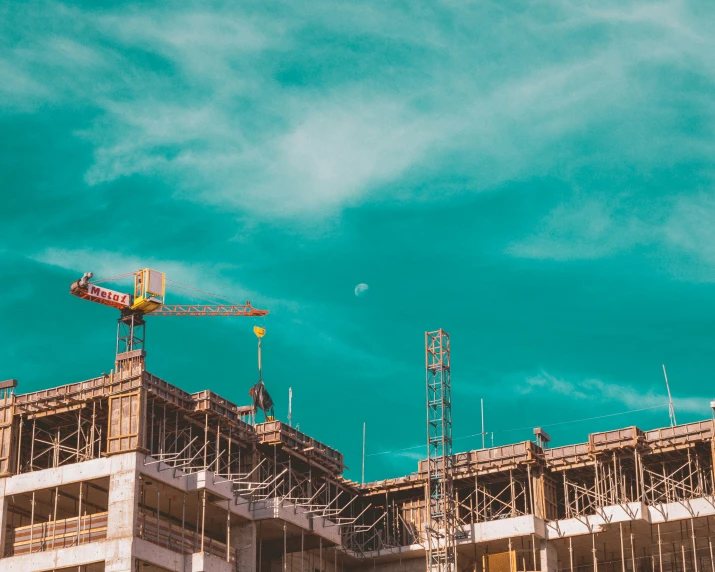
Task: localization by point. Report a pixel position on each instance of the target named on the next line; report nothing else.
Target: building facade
(128, 472)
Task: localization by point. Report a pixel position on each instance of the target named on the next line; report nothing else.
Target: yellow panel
(500, 562)
(149, 288)
(145, 305)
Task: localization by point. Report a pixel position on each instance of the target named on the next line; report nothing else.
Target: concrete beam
(188, 482)
(207, 563)
(160, 556)
(207, 480)
(683, 510)
(116, 554)
(298, 516)
(506, 528)
(595, 523)
(50, 478)
(631, 512)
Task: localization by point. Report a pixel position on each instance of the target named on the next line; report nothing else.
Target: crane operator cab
(149, 289)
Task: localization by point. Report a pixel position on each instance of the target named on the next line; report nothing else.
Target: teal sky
(535, 178)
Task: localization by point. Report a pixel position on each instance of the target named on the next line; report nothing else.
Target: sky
(535, 178)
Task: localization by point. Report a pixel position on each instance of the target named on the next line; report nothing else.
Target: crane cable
(112, 278)
(191, 294)
(179, 286)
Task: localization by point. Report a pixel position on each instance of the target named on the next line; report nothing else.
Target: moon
(361, 289)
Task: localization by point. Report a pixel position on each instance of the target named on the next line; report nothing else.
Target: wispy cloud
(689, 231)
(590, 389)
(227, 127)
(677, 228)
(587, 228)
(105, 264)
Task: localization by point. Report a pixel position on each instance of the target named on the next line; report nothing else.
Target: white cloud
(585, 228)
(678, 228)
(590, 389)
(106, 264)
(209, 115)
(690, 232)
(338, 150)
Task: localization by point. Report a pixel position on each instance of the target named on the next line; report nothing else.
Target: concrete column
(119, 556)
(122, 509)
(549, 557)
(3, 517)
(243, 538)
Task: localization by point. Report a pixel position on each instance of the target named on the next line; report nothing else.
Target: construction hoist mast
(439, 490)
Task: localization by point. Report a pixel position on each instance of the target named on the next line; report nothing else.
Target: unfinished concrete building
(128, 472)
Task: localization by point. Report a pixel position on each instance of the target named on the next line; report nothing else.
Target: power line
(529, 427)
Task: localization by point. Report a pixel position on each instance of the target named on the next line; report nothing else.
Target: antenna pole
(671, 407)
(482, 402)
(363, 453)
(290, 407)
(260, 372)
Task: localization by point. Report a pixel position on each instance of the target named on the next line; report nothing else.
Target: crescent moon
(361, 289)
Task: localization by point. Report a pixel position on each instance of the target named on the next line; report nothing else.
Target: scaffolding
(441, 510)
(439, 491)
(268, 465)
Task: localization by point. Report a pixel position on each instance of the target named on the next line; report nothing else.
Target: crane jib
(109, 295)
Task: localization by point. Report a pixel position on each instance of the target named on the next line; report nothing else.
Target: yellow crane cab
(149, 289)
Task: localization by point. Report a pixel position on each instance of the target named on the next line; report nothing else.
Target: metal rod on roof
(671, 407)
(260, 369)
(363, 453)
(482, 403)
(290, 407)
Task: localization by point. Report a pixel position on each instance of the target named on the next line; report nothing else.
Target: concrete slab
(206, 563)
(48, 478)
(159, 556)
(207, 480)
(505, 528)
(666, 512)
(192, 482)
(74, 556)
(281, 510)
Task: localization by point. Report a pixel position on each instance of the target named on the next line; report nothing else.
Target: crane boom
(148, 299)
(87, 290)
(208, 310)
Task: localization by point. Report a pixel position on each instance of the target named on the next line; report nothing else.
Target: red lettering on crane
(111, 295)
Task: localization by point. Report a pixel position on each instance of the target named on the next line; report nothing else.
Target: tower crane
(148, 298)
